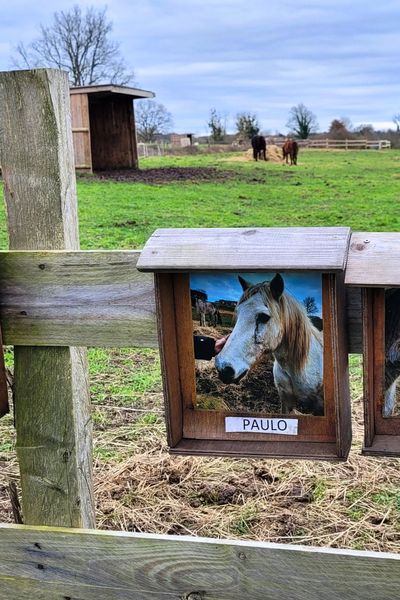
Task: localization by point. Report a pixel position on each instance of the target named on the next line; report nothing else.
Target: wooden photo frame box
(177, 256)
(374, 265)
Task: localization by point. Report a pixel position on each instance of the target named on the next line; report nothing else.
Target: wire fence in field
(145, 150)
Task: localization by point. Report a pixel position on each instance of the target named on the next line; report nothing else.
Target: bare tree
(247, 125)
(366, 130)
(152, 119)
(396, 121)
(78, 43)
(302, 121)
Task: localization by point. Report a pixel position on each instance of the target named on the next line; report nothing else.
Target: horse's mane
(296, 327)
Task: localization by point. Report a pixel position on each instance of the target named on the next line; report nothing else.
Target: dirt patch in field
(166, 175)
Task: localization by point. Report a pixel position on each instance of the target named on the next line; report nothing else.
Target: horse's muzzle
(227, 375)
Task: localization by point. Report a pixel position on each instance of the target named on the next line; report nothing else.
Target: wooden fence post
(54, 438)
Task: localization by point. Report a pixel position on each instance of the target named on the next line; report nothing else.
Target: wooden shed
(103, 126)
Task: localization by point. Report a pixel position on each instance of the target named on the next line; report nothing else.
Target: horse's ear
(276, 286)
(245, 284)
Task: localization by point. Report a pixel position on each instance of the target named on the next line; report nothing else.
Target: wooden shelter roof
(108, 89)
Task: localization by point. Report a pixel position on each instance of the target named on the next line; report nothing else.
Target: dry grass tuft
(140, 487)
(349, 505)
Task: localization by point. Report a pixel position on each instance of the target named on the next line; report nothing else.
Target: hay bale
(273, 154)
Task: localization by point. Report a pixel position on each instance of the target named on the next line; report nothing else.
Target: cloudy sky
(339, 57)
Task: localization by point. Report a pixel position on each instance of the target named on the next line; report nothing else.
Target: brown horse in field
(259, 145)
(290, 150)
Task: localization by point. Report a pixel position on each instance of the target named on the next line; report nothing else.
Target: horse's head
(257, 329)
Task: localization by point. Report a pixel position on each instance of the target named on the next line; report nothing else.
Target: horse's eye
(262, 318)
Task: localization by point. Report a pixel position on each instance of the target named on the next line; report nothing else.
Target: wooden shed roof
(108, 89)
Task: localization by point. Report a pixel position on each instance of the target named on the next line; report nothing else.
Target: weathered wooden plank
(81, 131)
(4, 406)
(353, 320)
(92, 298)
(120, 566)
(76, 298)
(247, 249)
(374, 259)
(51, 384)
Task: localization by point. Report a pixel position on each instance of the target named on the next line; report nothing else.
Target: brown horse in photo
(290, 150)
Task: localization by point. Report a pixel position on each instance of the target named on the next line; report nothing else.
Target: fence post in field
(54, 439)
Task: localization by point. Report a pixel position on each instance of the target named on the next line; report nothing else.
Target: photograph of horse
(290, 150)
(391, 404)
(271, 359)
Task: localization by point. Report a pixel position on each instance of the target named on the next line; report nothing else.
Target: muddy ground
(163, 175)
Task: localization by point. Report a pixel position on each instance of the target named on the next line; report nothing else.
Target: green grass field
(358, 189)
(138, 486)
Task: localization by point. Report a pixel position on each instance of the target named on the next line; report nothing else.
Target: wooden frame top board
(246, 249)
(373, 260)
(188, 265)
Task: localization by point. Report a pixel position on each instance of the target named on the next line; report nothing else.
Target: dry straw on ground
(273, 154)
(140, 487)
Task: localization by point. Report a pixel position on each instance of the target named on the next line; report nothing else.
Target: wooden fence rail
(346, 144)
(50, 563)
(95, 298)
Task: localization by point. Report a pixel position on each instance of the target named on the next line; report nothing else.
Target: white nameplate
(264, 425)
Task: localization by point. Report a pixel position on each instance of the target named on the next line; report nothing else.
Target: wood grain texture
(374, 259)
(262, 449)
(115, 566)
(167, 336)
(247, 249)
(81, 131)
(341, 366)
(76, 298)
(51, 389)
(383, 445)
(4, 406)
(93, 298)
(353, 319)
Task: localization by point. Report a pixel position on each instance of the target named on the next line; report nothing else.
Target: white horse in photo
(268, 319)
(391, 403)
